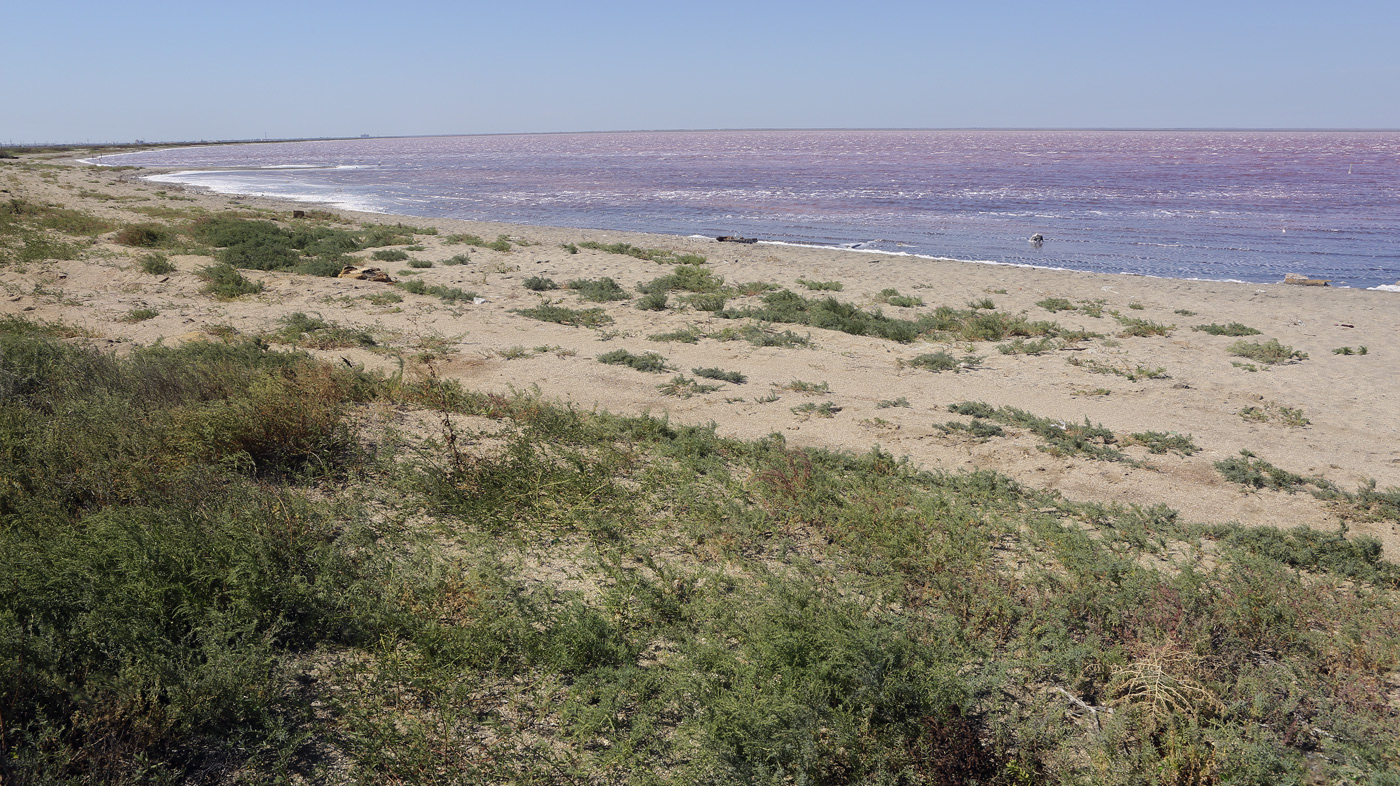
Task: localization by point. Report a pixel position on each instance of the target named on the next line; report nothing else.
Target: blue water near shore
(1227, 205)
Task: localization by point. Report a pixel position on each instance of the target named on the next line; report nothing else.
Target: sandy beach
(1334, 415)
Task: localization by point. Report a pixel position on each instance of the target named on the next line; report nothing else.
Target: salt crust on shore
(1351, 401)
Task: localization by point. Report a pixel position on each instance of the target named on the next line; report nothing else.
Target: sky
(81, 72)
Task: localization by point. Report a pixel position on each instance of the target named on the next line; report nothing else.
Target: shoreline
(283, 199)
(1353, 420)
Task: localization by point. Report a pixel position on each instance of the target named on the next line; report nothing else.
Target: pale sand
(1351, 401)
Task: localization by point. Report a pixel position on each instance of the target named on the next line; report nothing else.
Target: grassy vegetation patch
(313, 332)
(821, 286)
(598, 290)
(1064, 438)
(720, 374)
(445, 293)
(1269, 352)
(501, 243)
(648, 361)
(682, 386)
(1136, 327)
(942, 361)
(539, 284)
(685, 278)
(548, 312)
(893, 298)
(1232, 329)
(658, 255)
(226, 283)
(156, 264)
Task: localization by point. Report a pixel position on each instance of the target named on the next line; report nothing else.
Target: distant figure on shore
(1037, 240)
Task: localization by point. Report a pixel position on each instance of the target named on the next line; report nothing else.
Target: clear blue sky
(119, 71)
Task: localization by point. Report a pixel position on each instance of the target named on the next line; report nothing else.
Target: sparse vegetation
(649, 362)
(1133, 374)
(1271, 411)
(1135, 327)
(140, 315)
(1232, 329)
(445, 293)
(657, 255)
(893, 298)
(822, 286)
(1349, 351)
(540, 284)
(598, 290)
(226, 283)
(548, 312)
(389, 255)
(892, 402)
(720, 374)
(812, 409)
(1269, 352)
(1055, 304)
(682, 386)
(942, 361)
(156, 264)
(313, 332)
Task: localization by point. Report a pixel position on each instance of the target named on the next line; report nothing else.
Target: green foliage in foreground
(311, 249)
(204, 571)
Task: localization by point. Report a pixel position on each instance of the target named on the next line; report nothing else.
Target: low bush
(1232, 329)
(144, 235)
(650, 362)
(156, 264)
(224, 282)
(540, 284)
(548, 312)
(942, 361)
(660, 256)
(720, 374)
(1269, 352)
(598, 290)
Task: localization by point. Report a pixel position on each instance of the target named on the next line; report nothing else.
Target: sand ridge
(1350, 401)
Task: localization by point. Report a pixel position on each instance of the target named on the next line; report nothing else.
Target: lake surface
(1240, 205)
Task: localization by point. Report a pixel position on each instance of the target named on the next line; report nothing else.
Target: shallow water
(1243, 205)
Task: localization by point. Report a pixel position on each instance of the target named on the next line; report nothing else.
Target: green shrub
(540, 284)
(446, 294)
(1162, 442)
(706, 301)
(1232, 329)
(457, 259)
(156, 264)
(720, 374)
(389, 255)
(598, 290)
(685, 335)
(303, 330)
(682, 386)
(419, 263)
(1134, 327)
(688, 278)
(660, 256)
(1055, 304)
(895, 402)
(655, 301)
(650, 362)
(1269, 352)
(144, 235)
(893, 298)
(140, 315)
(546, 312)
(822, 286)
(224, 282)
(942, 361)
